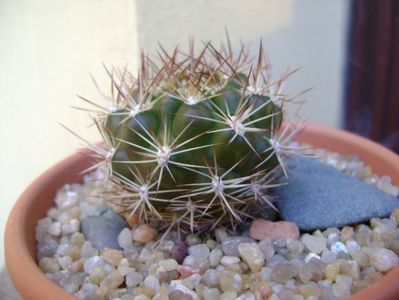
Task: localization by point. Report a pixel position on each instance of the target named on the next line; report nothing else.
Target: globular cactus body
(194, 143)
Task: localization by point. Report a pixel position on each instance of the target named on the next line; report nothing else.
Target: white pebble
(338, 247)
(229, 260)
(200, 251)
(215, 256)
(314, 243)
(55, 229)
(168, 264)
(125, 238)
(92, 263)
(152, 282)
(383, 259)
(133, 279)
(252, 255)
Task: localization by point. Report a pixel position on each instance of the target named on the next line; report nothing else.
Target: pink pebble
(262, 229)
(186, 271)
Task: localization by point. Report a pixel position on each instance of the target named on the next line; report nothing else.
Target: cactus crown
(195, 140)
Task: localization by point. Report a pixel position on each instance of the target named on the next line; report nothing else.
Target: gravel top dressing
(267, 260)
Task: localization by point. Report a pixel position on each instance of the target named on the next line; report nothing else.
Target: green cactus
(194, 142)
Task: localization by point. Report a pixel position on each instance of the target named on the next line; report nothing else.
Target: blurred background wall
(48, 49)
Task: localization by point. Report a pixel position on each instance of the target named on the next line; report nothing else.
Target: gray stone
(318, 196)
(102, 230)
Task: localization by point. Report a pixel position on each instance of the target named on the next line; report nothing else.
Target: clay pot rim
(33, 284)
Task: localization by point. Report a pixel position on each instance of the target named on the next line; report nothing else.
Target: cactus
(195, 141)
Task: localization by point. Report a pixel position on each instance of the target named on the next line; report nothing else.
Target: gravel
(329, 264)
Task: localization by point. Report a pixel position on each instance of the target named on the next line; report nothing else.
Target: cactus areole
(194, 140)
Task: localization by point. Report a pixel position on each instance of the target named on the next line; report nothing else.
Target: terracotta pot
(20, 245)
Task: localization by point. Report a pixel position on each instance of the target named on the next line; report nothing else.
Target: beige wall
(49, 48)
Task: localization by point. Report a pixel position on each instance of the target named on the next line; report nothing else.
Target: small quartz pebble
(383, 259)
(252, 255)
(168, 264)
(261, 229)
(178, 291)
(230, 282)
(230, 244)
(186, 271)
(49, 265)
(125, 238)
(200, 251)
(143, 233)
(133, 279)
(112, 256)
(229, 260)
(215, 256)
(314, 243)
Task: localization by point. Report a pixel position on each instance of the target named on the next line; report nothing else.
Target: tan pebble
(263, 291)
(186, 271)
(76, 266)
(332, 271)
(143, 233)
(131, 220)
(309, 289)
(261, 229)
(97, 275)
(74, 252)
(347, 233)
(112, 256)
(144, 291)
(252, 255)
(49, 265)
(178, 295)
(162, 294)
(395, 215)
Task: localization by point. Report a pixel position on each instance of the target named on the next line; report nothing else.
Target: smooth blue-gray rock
(102, 229)
(318, 196)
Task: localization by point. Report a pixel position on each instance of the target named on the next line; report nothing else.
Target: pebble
(230, 282)
(267, 248)
(125, 238)
(103, 230)
(92, 263)
(143, 233)
(229, 260)
(261, 229)
(211, 278)
(211, 294)
(252, 255)
(215, 256)
(186, 271)
(192, 280)
(200, 251)
(314, 243)
(383, 259)
(178, 291)
(133, 279)
(180, 251)
(112, 256)
(152, 283)
(193, 239)
(168, 264)
(283, 272)
(49, 265)
(230, 244)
